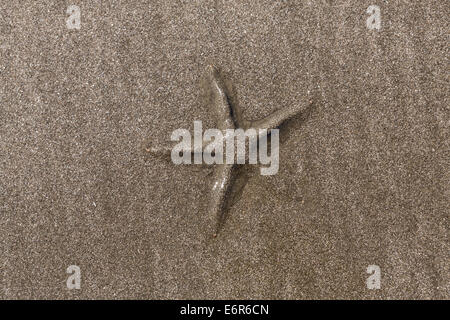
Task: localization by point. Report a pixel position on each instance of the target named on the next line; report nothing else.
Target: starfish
(228, 117)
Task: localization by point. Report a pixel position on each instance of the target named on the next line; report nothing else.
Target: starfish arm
(275, 119)
(166, 151)
(221, 187)
(227, 115)
(161, 152)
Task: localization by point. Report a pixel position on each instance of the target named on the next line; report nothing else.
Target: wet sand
(364, 171)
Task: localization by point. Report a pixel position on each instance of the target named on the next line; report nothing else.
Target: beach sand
(364, 170)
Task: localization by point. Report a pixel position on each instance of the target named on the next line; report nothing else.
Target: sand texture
(364, 169)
